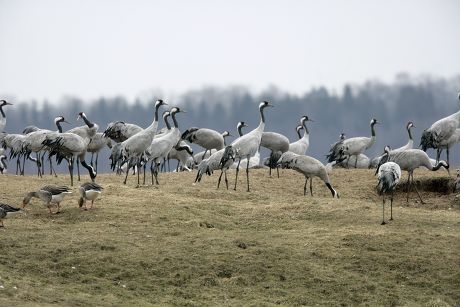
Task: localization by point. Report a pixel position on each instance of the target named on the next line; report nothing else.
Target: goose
(121, 131)
(300, 146)
(389, 175)
(206, 138)
(247, 145)
(161, 146)
(309, 167)
(132, 148)
(409, 160)
(89, 191)
(334, 151)
(49, 194)
(2, 113)
(69, 146)
(357, 145)
(97, 143)
(277, 144)
(3, 166)
(7, 211)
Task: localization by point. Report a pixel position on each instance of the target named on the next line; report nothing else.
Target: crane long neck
(173, 115)
(305, 133)
(373, 130)
(239, 130)
(154, 124)
(58, 125)
(437, 166)
(87, 122)
(168, 126)
(298, 133)
(1, 111)
(410, 133)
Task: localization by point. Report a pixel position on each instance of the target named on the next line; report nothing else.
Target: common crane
(2, 113)
(97, 143)
(447, 144)
(134, 147)
(300, 146)
(388, 176)
(248, 144)
(357, 145)
(409, 160)
(3, 165)
(335, 149)
(121, 131)
(309, 167)
(206, 138)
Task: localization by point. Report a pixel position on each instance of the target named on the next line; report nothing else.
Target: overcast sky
(51, 48)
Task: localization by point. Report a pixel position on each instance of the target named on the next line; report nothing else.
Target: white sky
(89, 48)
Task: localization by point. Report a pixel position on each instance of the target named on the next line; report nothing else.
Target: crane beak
(8, 104)
(64, 121)
(183, 111)
(78, 117)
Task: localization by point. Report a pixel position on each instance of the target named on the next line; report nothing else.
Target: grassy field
(185, 244)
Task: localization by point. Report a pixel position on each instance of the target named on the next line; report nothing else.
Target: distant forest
(421, 100)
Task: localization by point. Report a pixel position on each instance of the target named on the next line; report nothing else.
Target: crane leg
(71, 171)
(305, 187)
(97, 157)
(43, 163)
(145, 166)
(152, 170)
(237, 170)
(92, 156)
(383, 209)
(438, 154)
(391, 206)
(226, 180)
(311, 186)
(269, 171)
(408, 187)
(416, 190)
(157, 167)
(138, 175)
(23, 165)
(447, 151)
(78, 168)
(348, 161)
(18, 165)
(220, 177)
(278, 171)
(247, 172)
(127, 171)
(38, 165)
(356, 162)
(204, 155)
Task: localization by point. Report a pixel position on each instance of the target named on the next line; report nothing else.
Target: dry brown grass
(185, 244)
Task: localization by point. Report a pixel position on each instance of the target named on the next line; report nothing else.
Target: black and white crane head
(3, 103)
(304, 119)
(240, 126)
(410, 125)
(374, 121)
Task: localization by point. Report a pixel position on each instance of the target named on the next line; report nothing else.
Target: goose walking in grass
(309, 167)
(6, 211)
(389, 175)
(409, 160)
(89, 191)
(50, 195)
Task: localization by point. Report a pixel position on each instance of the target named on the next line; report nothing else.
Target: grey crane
(247, 145)
(409, 145)
(183, 153)
(206, 138)
(309, 167)
(409, 160)
(335, 149)
(300, 146)
(278, 144)
(214, 161)
(15, 143)
(6, 211)
(33, 142)
(162, 145)
(2, 113)
(97, 143)
(357, 145)
(447, 144)
(50, 194)
(121, 131)
(388, 175)
(89, 191)
(69, 146)
(440, 131)
(134, 147)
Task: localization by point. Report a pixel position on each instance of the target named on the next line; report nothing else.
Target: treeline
(422, 100)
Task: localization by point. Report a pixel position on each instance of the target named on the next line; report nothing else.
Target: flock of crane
(133, 147)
